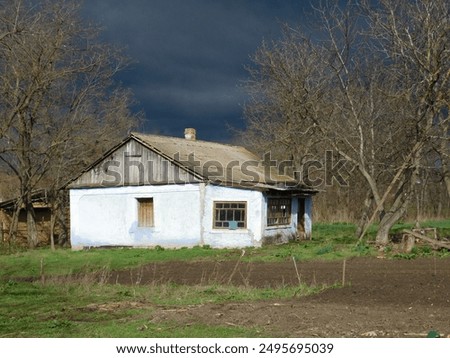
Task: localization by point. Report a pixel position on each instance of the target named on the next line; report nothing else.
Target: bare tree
(59, 105)
(372, 84)
(414, 37)
(285, 97)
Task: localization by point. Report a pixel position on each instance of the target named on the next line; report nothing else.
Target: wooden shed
(43, 218)
(42, 212)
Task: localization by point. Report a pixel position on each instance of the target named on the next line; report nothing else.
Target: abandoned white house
(180, 192)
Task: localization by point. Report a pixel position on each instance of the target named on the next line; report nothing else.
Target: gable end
(133, 163)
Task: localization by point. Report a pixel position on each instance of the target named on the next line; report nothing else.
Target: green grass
(442, 226)
(304, 251)
(32, 264)
(59, 307)
(91, 310)
(330, 242)
(66, 261)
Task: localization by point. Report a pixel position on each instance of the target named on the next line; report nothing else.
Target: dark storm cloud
(189, 56)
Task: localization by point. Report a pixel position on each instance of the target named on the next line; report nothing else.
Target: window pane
(229, 215)
(278, 211)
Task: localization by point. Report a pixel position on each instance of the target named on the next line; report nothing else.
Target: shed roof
(39, 198)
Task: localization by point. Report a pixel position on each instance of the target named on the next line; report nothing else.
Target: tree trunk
(397, 210)
(1, 231)
(389, 219)
(64, 234)
(52, 229)
(14, 222)
(447, 182)
(32, 236)
(364, 219)
(445, 155)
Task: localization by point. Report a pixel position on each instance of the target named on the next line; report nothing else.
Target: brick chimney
(190, 133)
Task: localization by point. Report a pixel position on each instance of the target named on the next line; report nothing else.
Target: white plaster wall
(251, 236)
(183, 216)
(108, 216)
(308, 217)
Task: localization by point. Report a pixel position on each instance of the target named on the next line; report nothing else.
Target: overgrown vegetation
(31, 264)
(66, 262)
(40, 298)
(330, 242)
(70, 309)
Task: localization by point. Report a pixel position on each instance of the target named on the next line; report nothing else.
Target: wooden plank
(145, 212)
(133, 164)
(427, 239)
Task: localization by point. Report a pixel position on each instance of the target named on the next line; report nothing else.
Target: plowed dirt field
(380, 298)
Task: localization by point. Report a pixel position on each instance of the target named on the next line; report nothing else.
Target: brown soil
(380, 298)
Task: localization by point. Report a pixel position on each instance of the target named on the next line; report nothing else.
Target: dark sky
(189, 56)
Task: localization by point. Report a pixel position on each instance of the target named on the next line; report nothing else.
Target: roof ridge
(138, 134)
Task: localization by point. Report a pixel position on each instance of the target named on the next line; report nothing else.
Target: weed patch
(93, 310)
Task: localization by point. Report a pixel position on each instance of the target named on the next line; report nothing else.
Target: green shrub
(325, 250)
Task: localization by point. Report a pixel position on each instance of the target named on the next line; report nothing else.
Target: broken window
(278, 211)
(230, 215)
(145, 212)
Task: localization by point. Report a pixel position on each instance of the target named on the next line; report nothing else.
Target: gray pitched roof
(211, 162)
(220, 163)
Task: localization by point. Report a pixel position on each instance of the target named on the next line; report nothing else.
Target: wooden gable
(134, 164)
